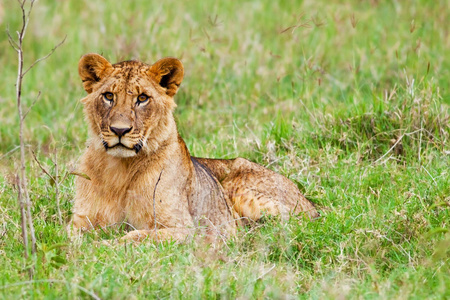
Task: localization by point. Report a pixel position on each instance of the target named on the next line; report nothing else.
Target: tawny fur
(211, 195)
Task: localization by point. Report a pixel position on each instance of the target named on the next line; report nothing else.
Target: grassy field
(349, 100)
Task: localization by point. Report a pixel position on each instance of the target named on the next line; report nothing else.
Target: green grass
(349, 100)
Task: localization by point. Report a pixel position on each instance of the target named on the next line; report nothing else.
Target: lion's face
(129, 103)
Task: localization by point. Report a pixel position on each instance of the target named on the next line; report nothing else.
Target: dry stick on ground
(23, 195)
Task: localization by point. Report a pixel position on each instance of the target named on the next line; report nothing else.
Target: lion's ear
(93, 68)
(168, 72)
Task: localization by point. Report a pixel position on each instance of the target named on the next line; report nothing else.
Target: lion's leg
(252, 205)
(246, 199)
(165, 234)
(82, 223)
(79, 224)
(256, 191)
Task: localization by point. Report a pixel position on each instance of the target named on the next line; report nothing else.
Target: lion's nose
(120, 131)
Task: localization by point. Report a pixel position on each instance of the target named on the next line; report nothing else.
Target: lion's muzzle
(120, 131)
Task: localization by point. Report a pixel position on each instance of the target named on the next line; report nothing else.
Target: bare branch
(12, 45)
(28, 233)
(9, 152)
(11, 41)
(22, 215)
(154, 205)
(45, 57)
(65, 176)
(25, 18)
(58, 206)
(30, 224)
(31, 106)
(42, 167)
(21, 34)
(30, 9)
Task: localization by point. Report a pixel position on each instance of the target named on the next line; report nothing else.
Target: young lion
(139, 170)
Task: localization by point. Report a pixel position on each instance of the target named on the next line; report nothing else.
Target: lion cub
(140, 171)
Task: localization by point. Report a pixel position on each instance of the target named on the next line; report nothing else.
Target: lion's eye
(108, 96)
(142, 98)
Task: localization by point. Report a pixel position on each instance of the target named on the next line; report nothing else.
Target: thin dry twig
(154, 204)
(9, 152)
(32, 105)
(54, 180)
(11, 41)
(44, 57)
(42, 167)
(23, 219)
(57, 183)
(23, 196)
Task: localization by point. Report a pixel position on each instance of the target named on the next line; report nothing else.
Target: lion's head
(129, 104)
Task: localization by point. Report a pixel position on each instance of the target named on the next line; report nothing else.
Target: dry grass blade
(76, 173)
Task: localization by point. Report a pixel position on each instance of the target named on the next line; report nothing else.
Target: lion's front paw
(135, 236)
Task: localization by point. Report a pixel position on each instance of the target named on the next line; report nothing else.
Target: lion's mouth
(137, 147)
